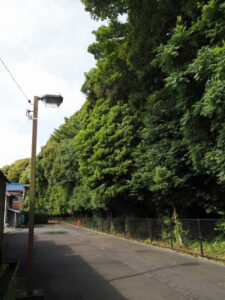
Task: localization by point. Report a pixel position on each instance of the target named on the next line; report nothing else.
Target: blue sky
(44, 44)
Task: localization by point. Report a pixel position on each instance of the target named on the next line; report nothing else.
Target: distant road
(76, 264)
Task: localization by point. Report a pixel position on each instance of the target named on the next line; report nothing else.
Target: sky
(44, 45)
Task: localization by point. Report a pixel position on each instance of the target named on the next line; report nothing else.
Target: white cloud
(44, 44)
(13, 122)
(15, 144)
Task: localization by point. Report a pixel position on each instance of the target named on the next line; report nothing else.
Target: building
(14, 204)
(3, 183)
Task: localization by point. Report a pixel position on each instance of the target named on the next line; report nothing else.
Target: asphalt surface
(75, 264)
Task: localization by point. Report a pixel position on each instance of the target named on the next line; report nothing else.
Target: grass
(215, 248)
(8, 278)
(3, 269)
(12, 291)
(9, 229)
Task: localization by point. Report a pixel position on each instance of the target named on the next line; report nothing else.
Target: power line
(13, 78)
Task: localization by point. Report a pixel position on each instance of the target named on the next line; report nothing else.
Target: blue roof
(15, 187)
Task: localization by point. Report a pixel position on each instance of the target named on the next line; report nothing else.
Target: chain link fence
(202, 237)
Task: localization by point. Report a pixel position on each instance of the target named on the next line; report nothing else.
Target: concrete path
(76, 264)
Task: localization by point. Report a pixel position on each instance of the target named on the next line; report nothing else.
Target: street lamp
(49, 100)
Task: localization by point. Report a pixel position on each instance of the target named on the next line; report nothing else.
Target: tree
(104, 148)
(19, 171)
(57, 169)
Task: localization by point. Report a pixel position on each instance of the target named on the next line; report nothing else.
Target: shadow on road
(155, 270)
(59, 271)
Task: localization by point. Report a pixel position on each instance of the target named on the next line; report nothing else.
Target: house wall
(16, 205)
(2, 207)
(14, 215)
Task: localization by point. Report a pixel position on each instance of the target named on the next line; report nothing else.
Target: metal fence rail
(202, 237)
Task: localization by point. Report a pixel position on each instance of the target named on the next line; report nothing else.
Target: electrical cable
(13, 78)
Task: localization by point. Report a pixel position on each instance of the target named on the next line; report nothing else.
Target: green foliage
(19, 171)
(80, 200)
(57, 170)
(105, 8)
(192, 61)
(104, 148)
(67, 130)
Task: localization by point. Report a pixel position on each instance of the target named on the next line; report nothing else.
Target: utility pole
(53, 101)
(32, 196)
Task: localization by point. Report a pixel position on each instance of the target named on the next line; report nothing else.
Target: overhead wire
(14, 79)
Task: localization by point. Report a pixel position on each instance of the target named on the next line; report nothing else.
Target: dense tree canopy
(149, 140)
(18, 171)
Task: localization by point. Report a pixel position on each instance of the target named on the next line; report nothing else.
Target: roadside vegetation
(161, 233)
(9, 229)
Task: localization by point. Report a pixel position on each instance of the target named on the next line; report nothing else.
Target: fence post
(150, 229)
(171, 233)
(102, 227)
(125, 228)
(200, 237)
(99, 224)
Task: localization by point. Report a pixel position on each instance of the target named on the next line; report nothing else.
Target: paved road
(78, 264)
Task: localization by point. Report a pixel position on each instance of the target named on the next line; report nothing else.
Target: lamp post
(52, 100)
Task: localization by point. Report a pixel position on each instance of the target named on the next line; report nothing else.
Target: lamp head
(52, 100)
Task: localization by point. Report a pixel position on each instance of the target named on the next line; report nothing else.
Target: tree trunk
(178, 225)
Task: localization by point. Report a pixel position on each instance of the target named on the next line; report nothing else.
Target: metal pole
(149, 222)
(200, 238)
(171, 233)
(32, 196)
